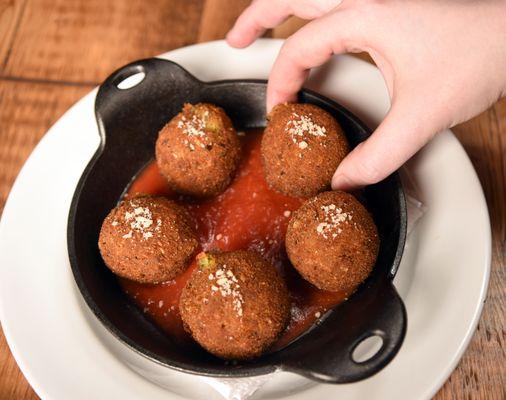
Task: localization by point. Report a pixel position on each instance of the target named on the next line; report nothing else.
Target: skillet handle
(156, 71)
(326, 353)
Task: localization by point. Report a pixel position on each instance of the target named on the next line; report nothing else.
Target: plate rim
(43, 143)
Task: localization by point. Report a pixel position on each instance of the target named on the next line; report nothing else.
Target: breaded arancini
(302, 146)
(147, 239)
(198, 151)
(235, 304)
(332, 241)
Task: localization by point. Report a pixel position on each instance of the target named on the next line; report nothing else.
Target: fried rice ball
(332, 241)
(235, 304)
(198, 151)
(147, 239)
(301, 148)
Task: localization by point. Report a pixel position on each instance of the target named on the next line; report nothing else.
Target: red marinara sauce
(248, 215)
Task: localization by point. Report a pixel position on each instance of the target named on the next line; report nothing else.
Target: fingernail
(271, 102)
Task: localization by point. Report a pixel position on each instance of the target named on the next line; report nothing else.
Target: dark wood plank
(13, 384)
(84, 41)
(218, 16)
(27, 110)
(10, 15)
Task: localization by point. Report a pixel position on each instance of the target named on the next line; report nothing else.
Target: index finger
(264, 14)
(311, 46)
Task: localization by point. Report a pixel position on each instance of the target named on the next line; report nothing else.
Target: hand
(443, 61)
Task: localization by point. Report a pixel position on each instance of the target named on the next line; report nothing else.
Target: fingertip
(234, 39)
(342, 182)
(271, 100)
(276, 93)
(271, 103)
(275, 98)
(230, 39)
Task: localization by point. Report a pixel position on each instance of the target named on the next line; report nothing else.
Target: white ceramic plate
(65, 353)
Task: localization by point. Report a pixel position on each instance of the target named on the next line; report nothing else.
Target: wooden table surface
(52, 52)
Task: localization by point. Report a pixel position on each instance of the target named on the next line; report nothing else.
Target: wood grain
(10, 15)
(52, 51)
(27, 110)
(84, 41)
(13, 384)
(218, 16)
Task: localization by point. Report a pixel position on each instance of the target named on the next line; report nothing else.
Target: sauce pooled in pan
(248, 215)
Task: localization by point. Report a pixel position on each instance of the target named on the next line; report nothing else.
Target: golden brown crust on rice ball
(147, 239)
(302, 146)
(198, 150)
(332, 241)
(235, 304)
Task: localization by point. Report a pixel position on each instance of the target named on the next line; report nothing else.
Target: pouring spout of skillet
(129, 121)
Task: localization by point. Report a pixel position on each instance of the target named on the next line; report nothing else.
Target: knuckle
(290, 42)
(288, 47)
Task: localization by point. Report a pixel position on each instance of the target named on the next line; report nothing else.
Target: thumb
(404, 131)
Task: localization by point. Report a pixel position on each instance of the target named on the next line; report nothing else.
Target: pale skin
(443, 61)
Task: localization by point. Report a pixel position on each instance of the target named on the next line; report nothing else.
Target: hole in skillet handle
(128, 77)
(128, 80)
(367, 348)
(327, 353)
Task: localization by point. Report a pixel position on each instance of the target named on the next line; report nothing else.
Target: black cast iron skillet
(129, 121)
